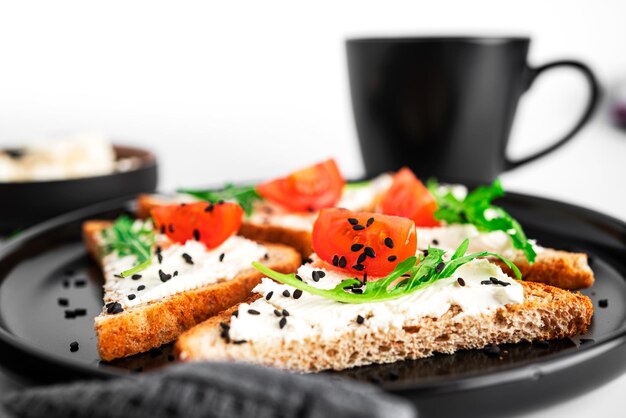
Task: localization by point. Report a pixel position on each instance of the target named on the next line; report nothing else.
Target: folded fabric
(209, 390)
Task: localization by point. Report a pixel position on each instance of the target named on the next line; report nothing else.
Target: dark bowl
(26, 203)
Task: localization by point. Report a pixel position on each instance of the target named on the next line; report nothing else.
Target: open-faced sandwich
(371, 295)
(166, 274)
(284, 210)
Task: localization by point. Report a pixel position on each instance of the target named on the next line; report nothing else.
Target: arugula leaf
(415, 275)
(127, 238)
(477, 209)
(245, 196)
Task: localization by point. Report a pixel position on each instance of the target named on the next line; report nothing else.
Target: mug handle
(591, 106)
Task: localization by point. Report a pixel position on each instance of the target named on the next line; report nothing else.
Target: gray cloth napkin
(209, 390)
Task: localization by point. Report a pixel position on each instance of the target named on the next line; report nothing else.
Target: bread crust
(546, 313)
(143, 327)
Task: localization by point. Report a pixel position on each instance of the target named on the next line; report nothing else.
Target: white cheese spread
(209, 266)
(315, 317)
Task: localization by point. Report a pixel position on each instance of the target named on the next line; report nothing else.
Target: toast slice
(148, 325)
(546, 313)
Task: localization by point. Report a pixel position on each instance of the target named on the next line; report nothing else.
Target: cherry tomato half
(363, 242)
(309, 189)
(409, 198)
(209, 223)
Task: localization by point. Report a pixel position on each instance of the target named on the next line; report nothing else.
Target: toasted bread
(546, 313)
(140, 328)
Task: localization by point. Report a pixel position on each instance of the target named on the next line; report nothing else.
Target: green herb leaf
(477, 209)
(245, 196)
(406, 278)
(128, 238)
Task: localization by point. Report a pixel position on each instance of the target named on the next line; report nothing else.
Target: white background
(248, 90)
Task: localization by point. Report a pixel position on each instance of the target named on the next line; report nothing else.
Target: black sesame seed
(209, 208)
(222, 257)
(297, 293)
(392, 258)
(440, 267)
(286, 293)
(269, 295)
(277, 312)
(309, 260)
(364, 278)
(131, 297)
(435, 242)
(69, 314)
(220, 202)
(369, 221)
(357, 291)
(358, 227)
(316, 275)
(359, 267)
(369, 251)
(80, 311)
(389, 242)
(460, 281)
(353, 221)
(119, 276)
(196, 235)
(63, 302)
(282, 322)
(266, 256)
(162, 229)
(80, 283)
(66, 283)
(170, 227)
(360, 319)
(136, 276)
(603, 303)
(114, 308)
(356, 247)
(164, 276)
(494, 280)
(187, 258)
(140, 288)
(159, 257)
(361, 258)
(492, 350)
(425, 252)
(253, 312)
(298, 277)
(236, 313)
(343, 262)
(158, 249)
(224, 326)
(335, 260)
(285, 312)
(74, 346)
(486, 282)
(239, 342)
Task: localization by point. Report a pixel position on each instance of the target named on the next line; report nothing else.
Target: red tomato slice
(363, 242)
(409, 198)
(309, 189)
(211, 224)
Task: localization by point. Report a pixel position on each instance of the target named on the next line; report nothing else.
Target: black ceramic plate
(49, 262)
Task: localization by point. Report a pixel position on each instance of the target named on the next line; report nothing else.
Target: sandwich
(166, 274)
(283, 211)
(371, 295)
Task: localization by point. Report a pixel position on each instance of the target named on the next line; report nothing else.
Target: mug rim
(485, 40)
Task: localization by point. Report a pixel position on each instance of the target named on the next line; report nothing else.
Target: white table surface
(590, 172)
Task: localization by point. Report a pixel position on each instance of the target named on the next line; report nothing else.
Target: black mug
(445, 106)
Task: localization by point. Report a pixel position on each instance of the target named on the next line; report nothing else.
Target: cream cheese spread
(315, 317)
(207, 266)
